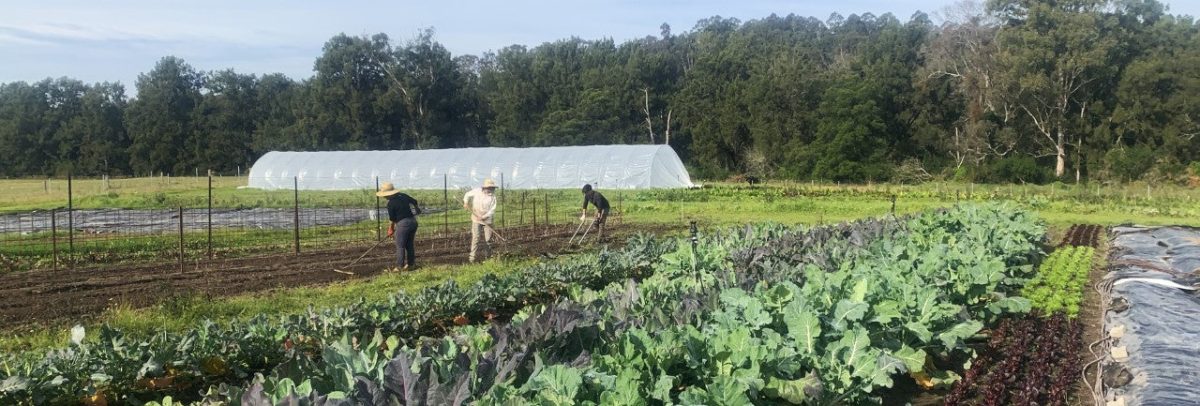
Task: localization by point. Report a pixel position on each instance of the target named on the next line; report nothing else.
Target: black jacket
(596, 199)
(401, 206)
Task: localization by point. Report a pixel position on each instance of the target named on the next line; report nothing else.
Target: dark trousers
(599, 224)
(406, 234)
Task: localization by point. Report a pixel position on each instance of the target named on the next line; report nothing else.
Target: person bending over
(402, 211)
(597, 200)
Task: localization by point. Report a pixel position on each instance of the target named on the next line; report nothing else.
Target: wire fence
(190, 221)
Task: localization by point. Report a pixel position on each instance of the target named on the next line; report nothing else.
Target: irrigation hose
(1104, 289)
(1084, 375)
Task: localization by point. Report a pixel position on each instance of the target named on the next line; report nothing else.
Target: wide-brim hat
(386, 189)
(488, 183)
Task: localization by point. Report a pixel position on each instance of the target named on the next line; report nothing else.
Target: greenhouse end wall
(605, 166)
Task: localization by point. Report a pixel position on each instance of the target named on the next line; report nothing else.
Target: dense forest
(1010, 90)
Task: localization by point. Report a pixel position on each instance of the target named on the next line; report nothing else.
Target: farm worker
(600, 203)
(481, 202)
(402, 211)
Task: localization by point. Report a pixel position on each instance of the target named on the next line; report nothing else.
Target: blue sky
(115, 40)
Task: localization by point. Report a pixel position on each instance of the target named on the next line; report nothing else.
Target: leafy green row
(122, 369)
(693, 333)
(1060, 281)
(533, 333)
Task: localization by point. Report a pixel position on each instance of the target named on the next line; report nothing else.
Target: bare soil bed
(1082, 235)
(41, 296)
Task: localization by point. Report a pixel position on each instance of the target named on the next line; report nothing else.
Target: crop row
(699, 331)
(1059, 283)
(1033, 360)
(1082, 235)
(1029, 360)
(118, 368)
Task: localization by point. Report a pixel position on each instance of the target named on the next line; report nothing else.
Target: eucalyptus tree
(1052, 54)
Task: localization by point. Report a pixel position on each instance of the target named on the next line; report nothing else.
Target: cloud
(17, 39)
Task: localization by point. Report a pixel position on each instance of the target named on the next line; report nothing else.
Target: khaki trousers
(479, 232)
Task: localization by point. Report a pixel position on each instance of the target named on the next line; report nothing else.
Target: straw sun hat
(488, 183)
(386, 189)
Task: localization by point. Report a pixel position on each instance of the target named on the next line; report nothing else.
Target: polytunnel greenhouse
(606, 166)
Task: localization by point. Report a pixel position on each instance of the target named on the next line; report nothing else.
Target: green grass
(715, 204)
(192, 192)
(723, 204)
(718, 202)
(180, 312)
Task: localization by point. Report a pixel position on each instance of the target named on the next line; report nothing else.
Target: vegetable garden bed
(1035, 359)
(765, 314)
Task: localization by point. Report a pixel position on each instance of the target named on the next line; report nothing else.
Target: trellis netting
(604, 166)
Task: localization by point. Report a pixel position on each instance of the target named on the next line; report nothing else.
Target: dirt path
(1091, 312)
(41, 296)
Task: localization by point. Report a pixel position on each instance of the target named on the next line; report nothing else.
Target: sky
(99, 41)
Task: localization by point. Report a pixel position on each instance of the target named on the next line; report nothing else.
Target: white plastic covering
(604, 166)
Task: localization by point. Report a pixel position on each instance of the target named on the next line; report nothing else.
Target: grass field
(718, 202)
(715, 204)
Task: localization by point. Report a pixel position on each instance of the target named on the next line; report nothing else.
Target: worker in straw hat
(402, 211)
(481, 202)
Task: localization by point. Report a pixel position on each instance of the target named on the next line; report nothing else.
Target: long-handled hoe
(581, 221)
(585, 233)
(496, 233)
(503, 240)
(360, 257)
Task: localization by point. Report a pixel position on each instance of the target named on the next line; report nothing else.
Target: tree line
(1011, 90)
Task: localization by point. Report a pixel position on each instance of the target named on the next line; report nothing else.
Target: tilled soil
(1091, 312)
(1082, 235)
(41, 296)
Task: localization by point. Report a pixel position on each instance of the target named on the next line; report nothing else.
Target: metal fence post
(547, 211)
(445, 203)
(522, 216)
(695, 240)
(210, 250)
(503, 207)
(533, 206)
(180, 239)
(378, 219)
(70, 218)
(296, 211)
(54, 235)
